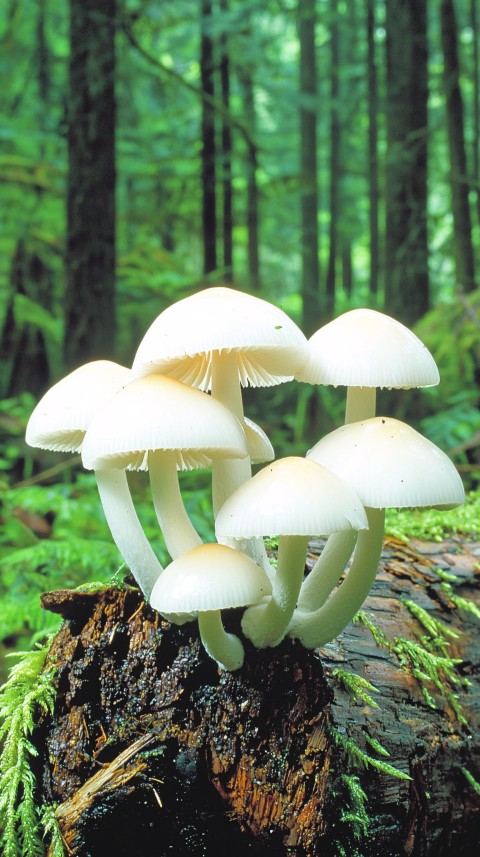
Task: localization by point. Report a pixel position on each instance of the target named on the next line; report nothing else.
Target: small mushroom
(206, 580)
(389, 464)
(221, 339)
(364, 349)
(294, 500)
(162, 424)
(60, 421)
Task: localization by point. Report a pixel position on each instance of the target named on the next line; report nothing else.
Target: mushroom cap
(259, 447)
(61, 417)
(209, 577)
(180, 342)
(366, 348)
(159, 413)
(390, 465)
(289, 497)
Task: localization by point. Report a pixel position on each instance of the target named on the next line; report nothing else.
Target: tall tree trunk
(310, 288)
(335, 141)
(373, 192)
(253, 254)
(462, 225)
(90, 250)
(476, 102)
(406, 256)
(227, 226)
(208, 172)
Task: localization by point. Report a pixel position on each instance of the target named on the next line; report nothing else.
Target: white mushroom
(206, 580)
(362, 349)
(60, 421)
(221, 339)
(294, 500)
(160, 423)
(389, 464)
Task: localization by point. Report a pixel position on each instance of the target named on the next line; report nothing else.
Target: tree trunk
(253, 253)
(335, 141)
(90, 250)
(462, 225)
(310, 287)
(227, 226)
(151, 750)
(476, 102)
(406, 251)
(209, 190)
(373, 190)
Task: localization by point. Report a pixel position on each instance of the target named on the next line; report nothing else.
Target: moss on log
(152, 750)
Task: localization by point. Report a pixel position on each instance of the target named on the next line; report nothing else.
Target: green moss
(357, 687)
(361, 759)
(471, 779)
(435, 525)
(23, 824)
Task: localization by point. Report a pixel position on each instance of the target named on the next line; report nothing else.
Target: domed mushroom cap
(209, 577)
(269, 345)
(156, 413)
(63, 414)
(290, 497)
(390, 464)
(366, 348)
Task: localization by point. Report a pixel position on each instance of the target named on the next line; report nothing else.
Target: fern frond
(28, 688)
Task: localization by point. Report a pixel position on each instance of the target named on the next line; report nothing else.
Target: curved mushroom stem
(266, 624)
(327, 570)
(361, 403)
(178, 531)
(228, 474)
(126, 528)
(226, 649)
(323, 625)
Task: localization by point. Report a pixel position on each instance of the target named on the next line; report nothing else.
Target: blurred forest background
(323, 154)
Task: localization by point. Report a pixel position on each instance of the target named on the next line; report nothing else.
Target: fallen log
(368, 747)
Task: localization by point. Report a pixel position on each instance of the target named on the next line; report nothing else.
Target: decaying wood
(153, 751)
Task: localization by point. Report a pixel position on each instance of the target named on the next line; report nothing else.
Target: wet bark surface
(152, 750)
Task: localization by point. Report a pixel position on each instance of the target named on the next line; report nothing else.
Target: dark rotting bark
(152, 750)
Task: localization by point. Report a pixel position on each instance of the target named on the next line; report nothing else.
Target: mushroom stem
(228, 474)
(126, 528)
(323, 625)
(361, 404)
(266, 624)
(178, 531)
(226, 649)
(327, 570)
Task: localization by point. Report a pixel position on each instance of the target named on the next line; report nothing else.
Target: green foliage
(355, 813)
(28, 689)
(435, 525)
(471, 779)
(357, 687)
(429, 668)
(359, 758)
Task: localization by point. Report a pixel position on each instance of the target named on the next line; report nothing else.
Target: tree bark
(90, 250)
(310, 287)
(335, 143)
(406, 250)
(462, 224)
(227, 183)
(373, 189)
(151, 750)
(209, 189)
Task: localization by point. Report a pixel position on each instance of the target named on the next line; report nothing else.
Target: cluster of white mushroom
(180, 407)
